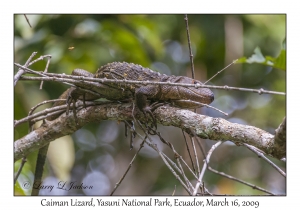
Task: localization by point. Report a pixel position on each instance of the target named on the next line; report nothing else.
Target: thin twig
(104, 80)
(187, 147)
(55, 110)
(183, 174)
(16, 79)
(128, 168)
(65, 81)
(192, 172)
(171, 169)
(189, 43)
(261, 155)
(199, 181)
(179, 170)
(24, 160)
(163, 158)
(46, 70)
(40, 58)
(41, 113)
(238, 180)
(176, 167)
(203, 189)
(21, 70)
(206, 105)
(195, 154)
(193, 76)
(220, 71)
(174, 191)
(27, 21)
(177, 157)
(172, 163)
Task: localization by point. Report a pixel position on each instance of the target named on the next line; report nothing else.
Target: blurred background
(98, 154)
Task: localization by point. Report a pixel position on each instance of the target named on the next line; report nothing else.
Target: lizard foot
(72, 97)
(149, 110)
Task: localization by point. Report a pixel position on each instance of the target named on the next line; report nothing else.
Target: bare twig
(174, 191)
(55, 110)
(238, 180)
(163, 158)
(171, 169)
(42, 155)
(187, 147)
(40, 58)
(24, 160)
(177, 157)
(172, 163)
(176, 167)
(192, 172)
(21, 70)
(208, 106)
(65, 81)
(128, 168)
(182, 172)
(196, 156)
(220, 71)
(41, 113)
(27, 21)
(261, 155)
(189, 43)
(46, 70)
(199, 181)
(104, 80)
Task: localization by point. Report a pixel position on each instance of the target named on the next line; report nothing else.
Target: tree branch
(200, 125)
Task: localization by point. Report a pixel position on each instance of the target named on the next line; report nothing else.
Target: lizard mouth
(203, 95)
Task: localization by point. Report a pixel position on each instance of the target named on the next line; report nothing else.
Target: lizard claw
(72, 98)
(155, 105)
(146, 111)
(149, 110)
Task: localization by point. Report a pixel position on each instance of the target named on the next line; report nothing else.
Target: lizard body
(175, 94)
(183, 97)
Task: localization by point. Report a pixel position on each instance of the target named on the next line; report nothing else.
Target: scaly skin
(141, 93)
(163, 93)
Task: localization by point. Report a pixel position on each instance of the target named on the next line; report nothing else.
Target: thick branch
(280, 135)
(200, 125)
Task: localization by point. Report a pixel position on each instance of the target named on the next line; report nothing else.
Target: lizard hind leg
(72, 97)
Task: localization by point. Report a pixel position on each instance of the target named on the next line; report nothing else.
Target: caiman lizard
(183, 97)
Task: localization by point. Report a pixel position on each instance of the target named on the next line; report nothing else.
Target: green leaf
(257, 57)
(280, 61)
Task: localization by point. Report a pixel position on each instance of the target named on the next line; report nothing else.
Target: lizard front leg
(141, 95)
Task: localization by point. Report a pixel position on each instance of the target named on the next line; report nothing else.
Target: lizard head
(190, 97)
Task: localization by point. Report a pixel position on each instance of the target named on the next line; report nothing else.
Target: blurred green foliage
(160, 43)
(279, 62)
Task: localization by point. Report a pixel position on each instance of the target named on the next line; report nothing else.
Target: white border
(153, 6)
